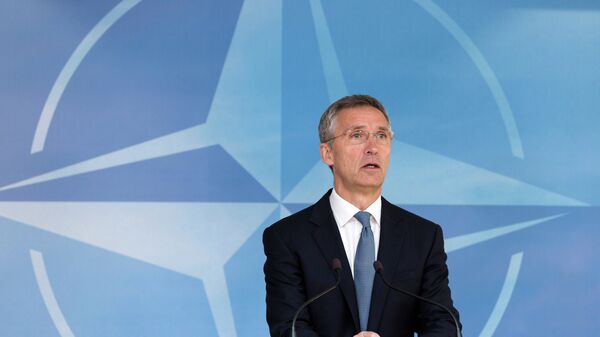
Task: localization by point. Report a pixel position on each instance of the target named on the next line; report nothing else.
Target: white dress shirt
(350, 227)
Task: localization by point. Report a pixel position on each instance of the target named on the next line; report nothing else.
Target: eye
(358, 134)
(381, 135)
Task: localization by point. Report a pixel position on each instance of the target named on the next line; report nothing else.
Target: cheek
(387, 155)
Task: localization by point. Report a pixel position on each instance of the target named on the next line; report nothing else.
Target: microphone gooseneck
(336, 265)
(379, 270)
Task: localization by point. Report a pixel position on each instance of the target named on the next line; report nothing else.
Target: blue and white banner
(145, 145)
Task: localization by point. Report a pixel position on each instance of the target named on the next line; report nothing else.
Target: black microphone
(336, 265)
(379, 270)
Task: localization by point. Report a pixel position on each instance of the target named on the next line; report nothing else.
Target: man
(354, 223)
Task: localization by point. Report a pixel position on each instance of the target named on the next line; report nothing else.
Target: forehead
(361, 116)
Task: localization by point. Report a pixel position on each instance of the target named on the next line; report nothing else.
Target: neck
(361, 198)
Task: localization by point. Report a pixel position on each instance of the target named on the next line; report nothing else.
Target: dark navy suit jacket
(299, 250)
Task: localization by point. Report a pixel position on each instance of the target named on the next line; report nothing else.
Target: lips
(371, 166)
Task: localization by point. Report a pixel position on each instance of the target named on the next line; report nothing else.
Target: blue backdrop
(145, 146)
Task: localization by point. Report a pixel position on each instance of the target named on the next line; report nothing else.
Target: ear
(326, 154)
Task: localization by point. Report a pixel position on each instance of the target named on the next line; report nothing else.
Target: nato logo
(169, 136)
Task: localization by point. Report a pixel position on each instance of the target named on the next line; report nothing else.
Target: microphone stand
(379, 270)
(335, 265)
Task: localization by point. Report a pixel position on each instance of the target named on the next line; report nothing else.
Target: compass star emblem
(244, 123)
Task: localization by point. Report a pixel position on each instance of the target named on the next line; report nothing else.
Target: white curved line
(37, 260)
(41, 131)
(484, 68)
(505, 294)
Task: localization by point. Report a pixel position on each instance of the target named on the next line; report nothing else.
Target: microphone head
(336, 264)
(378, 267)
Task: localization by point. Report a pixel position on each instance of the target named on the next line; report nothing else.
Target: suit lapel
(391, 240)
(327, 237)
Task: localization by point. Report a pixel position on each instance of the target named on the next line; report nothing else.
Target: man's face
(358, 167)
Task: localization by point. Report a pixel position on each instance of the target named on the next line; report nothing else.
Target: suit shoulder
(292, 223)
(417, 221)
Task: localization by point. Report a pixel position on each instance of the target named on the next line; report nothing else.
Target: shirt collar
(343, 211)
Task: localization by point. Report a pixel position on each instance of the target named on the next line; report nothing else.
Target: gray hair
(327, 122)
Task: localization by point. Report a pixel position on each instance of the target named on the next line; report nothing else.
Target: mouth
(371, 166)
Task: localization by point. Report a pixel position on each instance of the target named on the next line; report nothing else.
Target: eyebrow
(359, 127)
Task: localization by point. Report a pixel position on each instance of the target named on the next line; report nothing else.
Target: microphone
(379, 270)
(336, 265)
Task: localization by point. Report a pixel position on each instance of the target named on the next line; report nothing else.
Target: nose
(371, 145)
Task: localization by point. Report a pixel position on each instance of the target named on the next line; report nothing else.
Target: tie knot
(364, 218)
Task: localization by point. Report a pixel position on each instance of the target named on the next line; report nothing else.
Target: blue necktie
(363, 268)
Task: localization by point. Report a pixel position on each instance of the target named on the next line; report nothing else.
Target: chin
(371, 180)
(372, 184)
